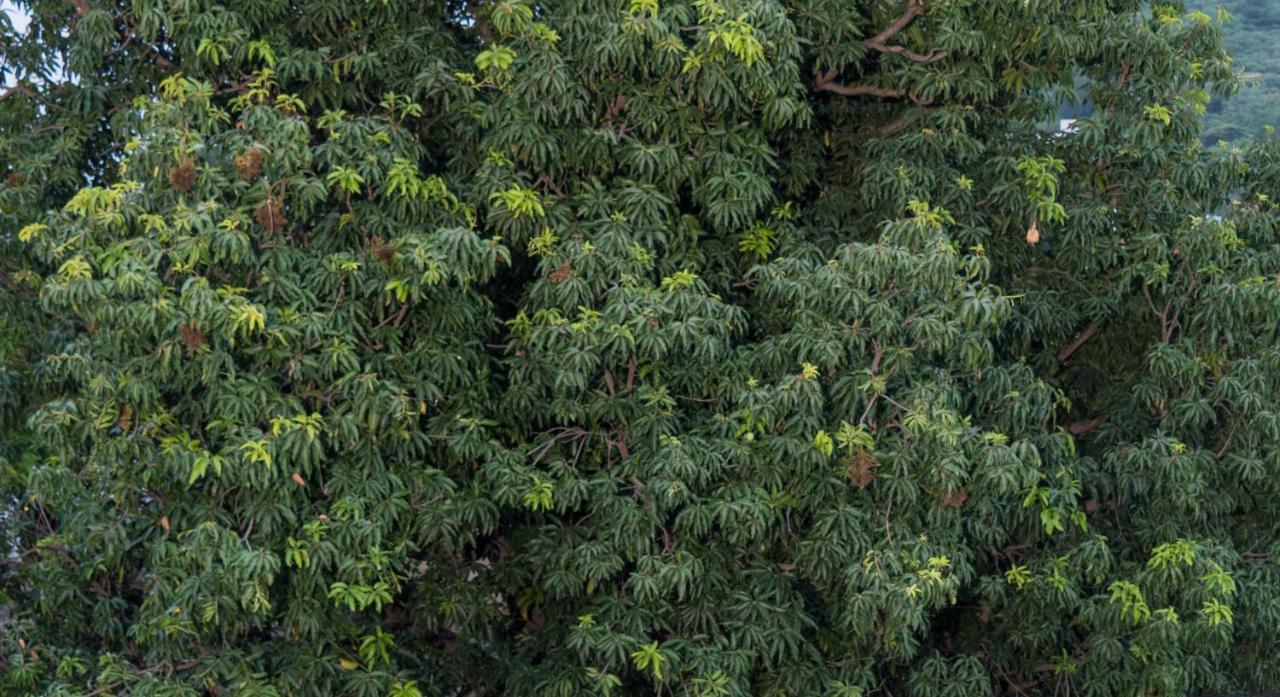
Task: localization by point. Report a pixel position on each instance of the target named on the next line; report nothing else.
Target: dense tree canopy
(724, 347)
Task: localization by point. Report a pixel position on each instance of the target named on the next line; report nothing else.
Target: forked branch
(880, 42)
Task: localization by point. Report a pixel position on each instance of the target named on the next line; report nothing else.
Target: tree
(709, 348)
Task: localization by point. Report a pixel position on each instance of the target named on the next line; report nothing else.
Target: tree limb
(1079, 341)
(906, 119)
(915, 8)
(930, 57)
(1080, 428)
(826, 82)
(7, 282)
(17, 89)
(879, 42)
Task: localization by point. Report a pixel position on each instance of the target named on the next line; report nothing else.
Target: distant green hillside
(1254, 37)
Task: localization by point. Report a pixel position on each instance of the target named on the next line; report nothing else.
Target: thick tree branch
(481, 25)
(1079, 341)
(7, 282)
(860, 90)
(879, 42)
(17, 89)
(930, 57)
(914, 9)
(826, 82)
(1080, 428)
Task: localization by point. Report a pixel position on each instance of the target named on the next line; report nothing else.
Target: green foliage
(633, 348)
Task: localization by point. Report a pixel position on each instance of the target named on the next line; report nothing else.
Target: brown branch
(549, 184)
(395, 319)
(930, 57)
(400, 315)
(1226, 443)
(915, 8)
(25, 90)
(17, 89)
(1079, 341)
(1080, 428)
(906, 119)
(827, 83)
(879, 42)
(1182, 301)
(473, 9)
(1166, 330)
(7, 282)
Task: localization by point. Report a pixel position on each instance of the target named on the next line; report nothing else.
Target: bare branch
(18, 89)
(7, 282)
(915, 8)
(1080, 428)
(930, 57)
(879, 42)
(1079, 341)
(826, 82)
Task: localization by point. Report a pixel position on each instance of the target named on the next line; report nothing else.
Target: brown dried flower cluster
(183, 175)
(270, 215)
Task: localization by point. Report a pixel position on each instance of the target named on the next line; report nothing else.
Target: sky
(18, 17)
(19, 20)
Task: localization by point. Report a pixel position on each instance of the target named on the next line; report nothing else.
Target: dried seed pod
(380, 250)
(249, 163)
(861, 468)
(1033, 234)
(183, 175)
(13, 181)
(270, 215)
(192, 337)
(954, 498)
(561, 273)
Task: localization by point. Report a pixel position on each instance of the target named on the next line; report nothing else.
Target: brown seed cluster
(270, 215)
(249, 163)
(183, 175)
(561, 273)
(954, 499)
(381, 250)
(125, 421)
(13, 181)
(192, 337)
(1033, 234)
(861, 468)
